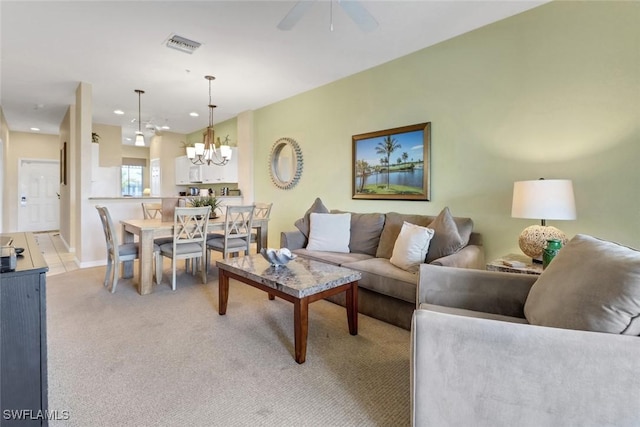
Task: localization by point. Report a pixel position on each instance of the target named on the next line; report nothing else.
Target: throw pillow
(411, 247)
(329, 232)
(392, 226)
(303, 223)
(365, 232)
(449, 237)
(591, 285)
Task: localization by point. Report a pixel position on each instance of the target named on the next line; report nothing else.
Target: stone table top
(515, 263)
(300, 278)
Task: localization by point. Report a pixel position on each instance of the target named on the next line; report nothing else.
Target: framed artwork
(63, 164)
(392, 164)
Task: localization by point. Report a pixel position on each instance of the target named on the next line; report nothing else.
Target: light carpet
(169, 358)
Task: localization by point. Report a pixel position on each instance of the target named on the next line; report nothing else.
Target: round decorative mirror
(285, 163)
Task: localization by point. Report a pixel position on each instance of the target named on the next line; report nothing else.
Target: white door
(38, 201)
(156, 184)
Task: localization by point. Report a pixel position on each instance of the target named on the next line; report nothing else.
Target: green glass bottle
(550, 251)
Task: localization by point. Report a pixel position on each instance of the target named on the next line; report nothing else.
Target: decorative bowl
(277, 257)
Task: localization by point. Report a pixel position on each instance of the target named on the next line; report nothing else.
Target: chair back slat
(152, 210)
(262, 210)
(238, 222)
(190, 225)
(109, 232)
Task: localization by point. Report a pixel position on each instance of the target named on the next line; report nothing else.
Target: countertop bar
(156, 197)
(31, 258)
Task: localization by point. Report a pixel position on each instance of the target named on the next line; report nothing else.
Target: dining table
(148, 230)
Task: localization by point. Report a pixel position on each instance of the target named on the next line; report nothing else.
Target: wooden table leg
(127, 270)
(223, 291)
(272, 297)
(145, 265)
(301, 326)
(352, 308)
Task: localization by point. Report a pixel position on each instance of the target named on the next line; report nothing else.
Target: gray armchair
(475, 361)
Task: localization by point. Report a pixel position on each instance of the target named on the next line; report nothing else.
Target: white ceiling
(47, 47)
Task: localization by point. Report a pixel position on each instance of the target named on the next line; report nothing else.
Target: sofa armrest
(478, 290)
(471, 256)
(292, 239)
(468, 371)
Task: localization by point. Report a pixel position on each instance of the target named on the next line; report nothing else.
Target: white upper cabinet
(228, 173)
(188, 173)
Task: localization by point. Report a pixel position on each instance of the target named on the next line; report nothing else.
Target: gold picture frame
(379, 175)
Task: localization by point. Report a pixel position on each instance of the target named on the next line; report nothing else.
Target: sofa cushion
(392, 226)
(335, 258)
(411, 247)
(450, 235)
(379, 275)
(471, 313)
(304, 224)
(365, 231)
(329, 232)
(591, 285)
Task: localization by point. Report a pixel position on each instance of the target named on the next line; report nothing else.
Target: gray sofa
(386, 292)
(504, 349)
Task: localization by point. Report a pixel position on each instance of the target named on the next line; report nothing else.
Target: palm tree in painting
(386, 147)
(362, 169)
(405, 156)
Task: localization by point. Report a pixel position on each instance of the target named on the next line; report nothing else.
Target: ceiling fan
(354, 8)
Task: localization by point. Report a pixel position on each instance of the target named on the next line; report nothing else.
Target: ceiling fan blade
(294, 15)
(359, 15)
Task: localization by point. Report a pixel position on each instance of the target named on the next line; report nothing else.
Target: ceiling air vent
(182, 44)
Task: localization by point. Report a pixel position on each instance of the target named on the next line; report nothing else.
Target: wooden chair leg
(173, 274)
(107, 273)
(159, 261)
(116, 276)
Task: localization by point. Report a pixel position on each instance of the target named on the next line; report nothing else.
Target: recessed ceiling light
(194, 114)
(165, 127)
(118, 112)
(35, 129)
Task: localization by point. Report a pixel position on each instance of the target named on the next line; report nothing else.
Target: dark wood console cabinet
(23, 337)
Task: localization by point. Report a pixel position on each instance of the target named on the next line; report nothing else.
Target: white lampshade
(191, 152)
(139, 139)
(543, 199)
(225, 152)
(199, 147)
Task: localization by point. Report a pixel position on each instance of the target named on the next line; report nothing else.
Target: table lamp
(542, 199)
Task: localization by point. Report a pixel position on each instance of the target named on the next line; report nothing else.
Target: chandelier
(205, 152)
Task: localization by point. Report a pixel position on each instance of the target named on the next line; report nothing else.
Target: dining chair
(261, 211)
(189, 239)
(237, 232)
(154, 211)
(118, 253)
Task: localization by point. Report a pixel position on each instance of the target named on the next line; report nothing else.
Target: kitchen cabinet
(228, 173)
(186, 172)
(23, 349)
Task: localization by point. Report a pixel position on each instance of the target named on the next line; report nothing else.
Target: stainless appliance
(193, 191)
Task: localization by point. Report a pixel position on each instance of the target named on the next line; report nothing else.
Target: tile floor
(55, 253)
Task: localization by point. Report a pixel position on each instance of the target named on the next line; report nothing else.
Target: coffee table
(302, 281)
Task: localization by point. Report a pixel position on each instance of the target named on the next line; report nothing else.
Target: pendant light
(205, 152)
(139, 136)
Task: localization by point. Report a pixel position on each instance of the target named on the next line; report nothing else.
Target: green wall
(553, 92)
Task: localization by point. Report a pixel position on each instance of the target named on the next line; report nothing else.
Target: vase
(550, 251)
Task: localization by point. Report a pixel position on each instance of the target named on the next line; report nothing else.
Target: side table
(515, 263)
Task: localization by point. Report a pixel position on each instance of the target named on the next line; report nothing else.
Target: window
(131, 180)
